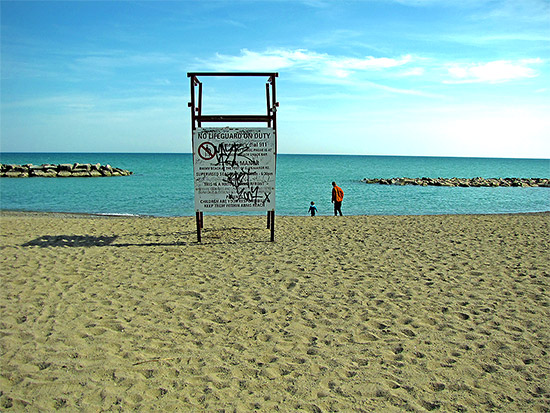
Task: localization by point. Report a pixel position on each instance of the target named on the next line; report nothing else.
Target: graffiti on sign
(234, 169)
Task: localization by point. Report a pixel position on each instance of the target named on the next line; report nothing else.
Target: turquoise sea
(162, 185)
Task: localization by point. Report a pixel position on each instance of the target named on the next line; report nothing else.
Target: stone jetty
(464, 182)
(64, 170)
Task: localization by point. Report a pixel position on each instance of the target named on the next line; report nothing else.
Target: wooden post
(272, 225)
(268, 104)
(198, 218)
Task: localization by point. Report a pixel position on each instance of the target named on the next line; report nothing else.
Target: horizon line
(300, 154)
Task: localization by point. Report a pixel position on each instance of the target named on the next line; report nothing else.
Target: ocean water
(162, 185)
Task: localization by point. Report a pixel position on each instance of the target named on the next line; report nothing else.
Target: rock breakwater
(64, 170)
(464, 182)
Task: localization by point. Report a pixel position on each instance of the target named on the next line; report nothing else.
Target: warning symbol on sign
(207, 151)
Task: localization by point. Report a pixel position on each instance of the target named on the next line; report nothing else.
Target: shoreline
(17, 212)
(14, 212)
(353, 313)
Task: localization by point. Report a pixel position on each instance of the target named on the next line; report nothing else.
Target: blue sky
(372, 77)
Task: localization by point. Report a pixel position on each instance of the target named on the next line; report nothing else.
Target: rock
(464, 182)
(65, 167)
(50, 173)
(80, 174)
(60, 170)
(43, 171)
(14, 174)
(36, 172)
(81, 167)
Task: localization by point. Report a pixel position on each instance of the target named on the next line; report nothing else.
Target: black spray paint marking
(245, 192)
(230, 155)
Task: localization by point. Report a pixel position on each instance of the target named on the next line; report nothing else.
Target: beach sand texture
(363, 313)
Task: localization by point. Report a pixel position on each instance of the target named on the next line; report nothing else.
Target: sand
(364, 313)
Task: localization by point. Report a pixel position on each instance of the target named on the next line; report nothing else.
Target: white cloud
(325, 64)
(498, 71)
(328, 69)
(269, 60)
(343, 67)
(415, 71)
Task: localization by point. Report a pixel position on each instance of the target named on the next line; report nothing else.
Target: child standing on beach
(312, 209)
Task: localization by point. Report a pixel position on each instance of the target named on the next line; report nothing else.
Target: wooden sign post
(234, 168)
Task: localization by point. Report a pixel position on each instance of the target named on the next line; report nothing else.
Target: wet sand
(363, 313)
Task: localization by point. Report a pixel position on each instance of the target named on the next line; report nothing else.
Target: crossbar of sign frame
(234, 169)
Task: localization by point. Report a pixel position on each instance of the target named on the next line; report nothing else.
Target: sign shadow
(70, 241)
(213, 236)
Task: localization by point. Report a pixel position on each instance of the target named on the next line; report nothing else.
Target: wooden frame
(270, 118)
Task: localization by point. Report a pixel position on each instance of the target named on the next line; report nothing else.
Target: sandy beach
(359, 313)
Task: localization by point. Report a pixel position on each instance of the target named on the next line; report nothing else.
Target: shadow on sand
(211, 236)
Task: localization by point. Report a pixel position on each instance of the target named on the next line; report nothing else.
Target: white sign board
(234, 169)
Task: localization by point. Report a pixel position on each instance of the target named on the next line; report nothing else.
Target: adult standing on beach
(337, 198)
